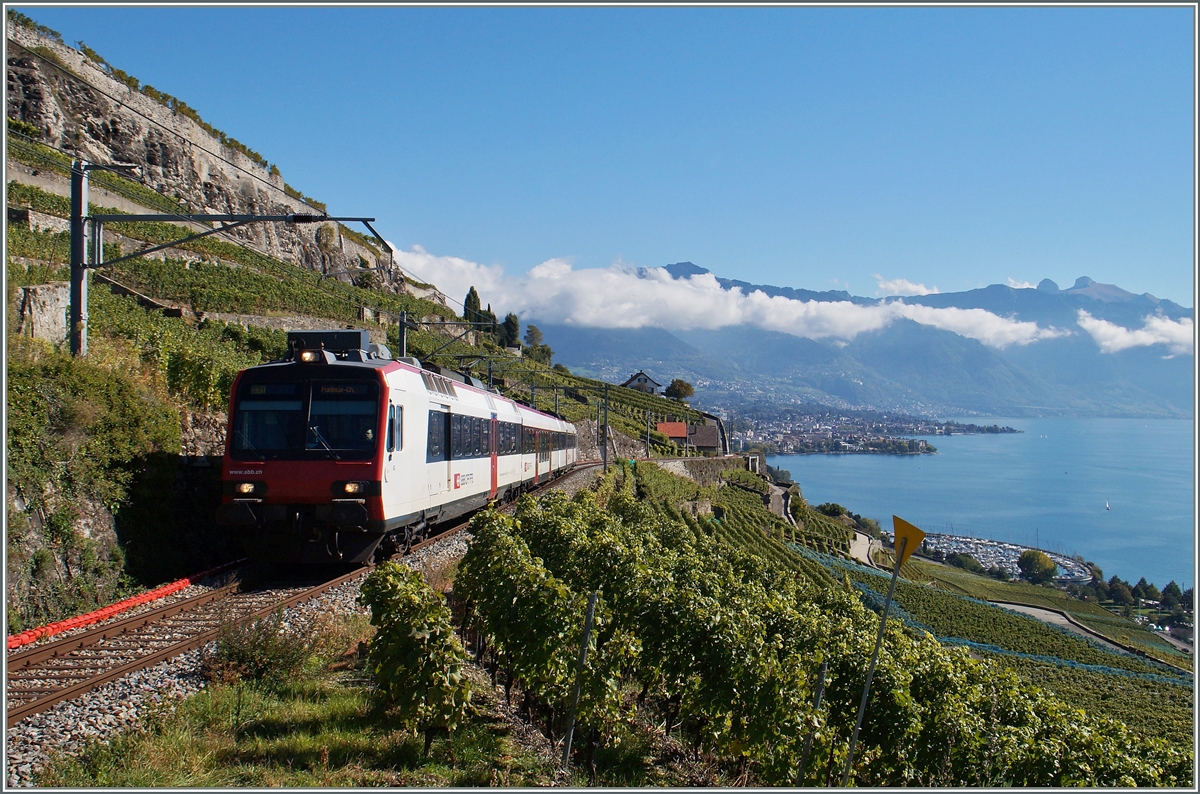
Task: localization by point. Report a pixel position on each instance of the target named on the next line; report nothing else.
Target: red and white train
(340, 448)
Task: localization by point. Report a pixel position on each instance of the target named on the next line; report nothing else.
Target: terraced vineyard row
(952, 616)
(722, 647)
(1089, 614)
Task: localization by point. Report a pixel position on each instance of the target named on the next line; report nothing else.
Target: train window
(342, 416)
(456, 445)
(486, 440)
(269, 417)
(476, 437)
(436, 443)
(395, 429)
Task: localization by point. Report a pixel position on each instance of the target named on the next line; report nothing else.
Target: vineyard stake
(587, 634)
(808, 742)
(862, 706)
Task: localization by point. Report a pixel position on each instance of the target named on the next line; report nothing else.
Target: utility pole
(606, 428)
(79, 219)
(79, 277)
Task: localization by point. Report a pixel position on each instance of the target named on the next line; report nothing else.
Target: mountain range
(914, 367)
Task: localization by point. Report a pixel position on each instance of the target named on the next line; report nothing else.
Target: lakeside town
(814, 431)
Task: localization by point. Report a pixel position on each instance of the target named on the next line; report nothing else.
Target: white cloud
(1012, 282)
(622, 296)
(452, 275)
(902, 286)
(979, 324)
(1176, 335)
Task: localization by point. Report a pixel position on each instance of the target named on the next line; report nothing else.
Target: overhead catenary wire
(293, 272)
(114, 187)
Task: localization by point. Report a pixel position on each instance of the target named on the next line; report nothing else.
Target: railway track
(50, 673)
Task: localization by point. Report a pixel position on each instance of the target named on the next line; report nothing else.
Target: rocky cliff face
(78, 107)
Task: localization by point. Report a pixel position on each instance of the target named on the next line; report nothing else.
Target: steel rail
(57, 695)
(66, 645)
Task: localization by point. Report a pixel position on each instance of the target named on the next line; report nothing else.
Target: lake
(1045, 487)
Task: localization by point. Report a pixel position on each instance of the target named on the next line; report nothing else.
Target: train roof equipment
(333, 346)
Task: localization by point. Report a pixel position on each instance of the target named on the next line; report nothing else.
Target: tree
(488, 316)
(510, 331)
(1036, 566)
(679, 390)
(965, 561)
(1145, 589)
(541, 353)
(996, 572)
(562, 369)
(1171, 595)
(1120, 593)
(533, 336)
(471, 306)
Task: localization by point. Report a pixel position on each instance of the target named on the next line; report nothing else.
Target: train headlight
(355, 489)
(241, 490)
(308, 356)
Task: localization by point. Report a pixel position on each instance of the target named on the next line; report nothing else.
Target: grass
(311, 733)
(332, 730)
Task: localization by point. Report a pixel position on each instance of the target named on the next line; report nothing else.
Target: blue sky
(809, 147)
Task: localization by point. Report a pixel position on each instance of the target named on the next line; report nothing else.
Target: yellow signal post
(908, 538)
(906, 532)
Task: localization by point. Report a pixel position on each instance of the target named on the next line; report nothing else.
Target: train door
(536, 448)
(493, 442)
(396, 488)
(437, 452)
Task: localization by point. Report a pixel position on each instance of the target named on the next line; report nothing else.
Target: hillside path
(1057, 619)
(860, 548)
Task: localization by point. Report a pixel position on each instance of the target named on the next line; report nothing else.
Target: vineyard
(721, 645)
(1089, 614)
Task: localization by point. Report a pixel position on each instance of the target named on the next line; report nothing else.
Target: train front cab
(304, 462)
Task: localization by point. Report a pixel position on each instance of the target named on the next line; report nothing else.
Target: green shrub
(265, 649)
(415, 656)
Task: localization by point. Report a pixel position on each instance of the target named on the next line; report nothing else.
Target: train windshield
(306, 420)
